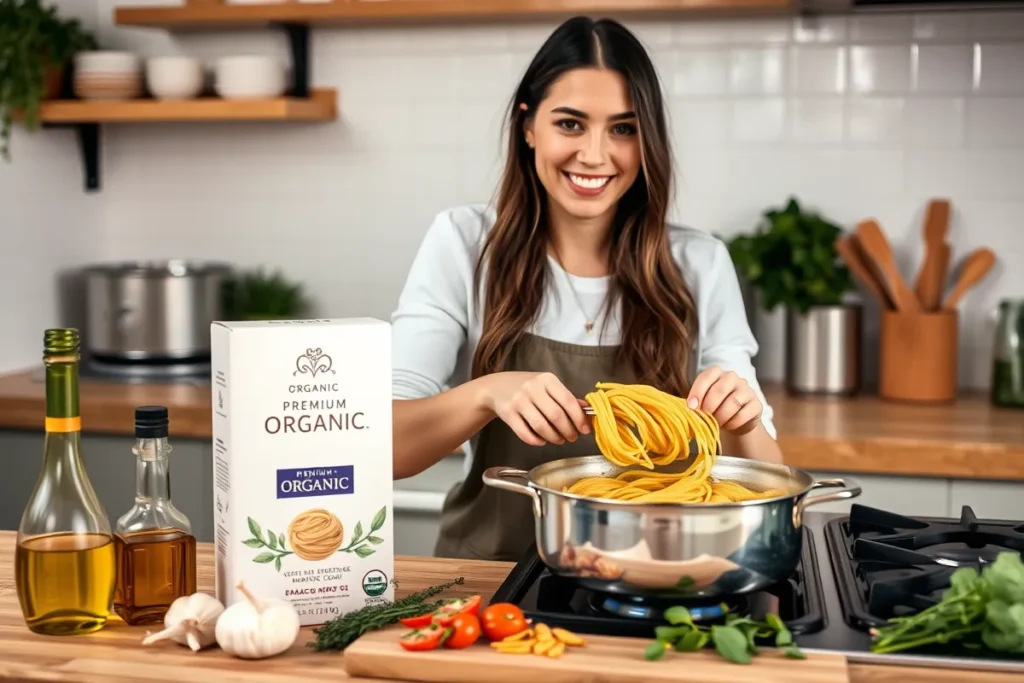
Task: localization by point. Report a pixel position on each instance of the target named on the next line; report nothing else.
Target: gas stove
(856, 571)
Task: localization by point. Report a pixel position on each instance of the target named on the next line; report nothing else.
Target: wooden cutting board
(378, 655)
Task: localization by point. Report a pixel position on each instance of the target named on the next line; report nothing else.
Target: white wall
(863, 116)
(47, 224)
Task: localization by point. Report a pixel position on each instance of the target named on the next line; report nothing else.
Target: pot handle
(498, 477)
(849, 491)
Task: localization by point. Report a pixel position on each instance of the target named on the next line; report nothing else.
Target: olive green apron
(482, 522)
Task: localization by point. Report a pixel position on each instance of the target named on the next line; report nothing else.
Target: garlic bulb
(256, 628)
(190, 620)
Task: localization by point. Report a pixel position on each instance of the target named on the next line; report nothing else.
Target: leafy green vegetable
(792, 260)
(735, 640)
(985, 609)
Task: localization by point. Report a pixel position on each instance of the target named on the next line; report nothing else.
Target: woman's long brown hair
(658, 316)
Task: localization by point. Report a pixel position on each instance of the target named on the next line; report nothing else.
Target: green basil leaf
(670, 634)
(793, 652)
(655, 650)
(691, 641)
(678, 615)
(731, 644)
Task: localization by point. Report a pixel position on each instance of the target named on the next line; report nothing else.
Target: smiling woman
(572, 277)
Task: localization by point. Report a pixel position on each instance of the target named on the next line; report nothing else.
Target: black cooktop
(887, 565)
(559, 601)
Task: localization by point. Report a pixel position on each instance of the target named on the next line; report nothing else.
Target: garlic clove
(191, 620)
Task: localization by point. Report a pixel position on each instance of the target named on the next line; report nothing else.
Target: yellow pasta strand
(638, 425)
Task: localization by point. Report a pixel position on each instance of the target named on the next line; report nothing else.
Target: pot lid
(167, 268)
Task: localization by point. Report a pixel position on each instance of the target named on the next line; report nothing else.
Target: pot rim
(792, 472)
(160, 268)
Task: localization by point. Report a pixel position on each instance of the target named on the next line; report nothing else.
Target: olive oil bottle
(156, 551)
(64, 565)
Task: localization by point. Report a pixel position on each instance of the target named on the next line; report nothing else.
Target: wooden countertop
(115, 654)
(968, 439)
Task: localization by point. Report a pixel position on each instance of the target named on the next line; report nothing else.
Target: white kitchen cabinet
(991, 499)
(915, 496)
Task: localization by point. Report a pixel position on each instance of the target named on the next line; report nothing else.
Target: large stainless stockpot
(153, 310)
(670, 550)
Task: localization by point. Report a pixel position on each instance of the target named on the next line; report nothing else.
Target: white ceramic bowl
(174, 78)
(107, 62)
(249, 77)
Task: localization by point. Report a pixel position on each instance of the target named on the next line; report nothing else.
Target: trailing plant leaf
(33, 39)
(792, 260)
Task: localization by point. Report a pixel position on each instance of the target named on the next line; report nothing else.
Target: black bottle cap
(151, 422)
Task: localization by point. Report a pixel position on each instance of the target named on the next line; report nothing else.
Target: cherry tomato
(443, 614)
(501, 620)
(426, 638)
(465, 630)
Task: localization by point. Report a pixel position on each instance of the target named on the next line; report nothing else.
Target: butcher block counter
(115, 655)
(967, 440)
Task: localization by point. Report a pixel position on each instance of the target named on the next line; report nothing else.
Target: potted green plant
(791, 261)
(36, 45)
(256, 295)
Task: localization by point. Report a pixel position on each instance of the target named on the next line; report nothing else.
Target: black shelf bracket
(88, 134)
(298, 46)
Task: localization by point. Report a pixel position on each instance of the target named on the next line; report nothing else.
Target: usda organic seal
(375, 582)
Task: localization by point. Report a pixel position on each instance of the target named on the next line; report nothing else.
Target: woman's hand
(728, 397)
(537, 406)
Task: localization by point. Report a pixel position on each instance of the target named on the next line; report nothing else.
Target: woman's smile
(587, 185)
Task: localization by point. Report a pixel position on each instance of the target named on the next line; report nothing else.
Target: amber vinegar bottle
(64, 567)
(156, 551)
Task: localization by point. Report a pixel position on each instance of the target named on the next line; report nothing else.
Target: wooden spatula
(879, 251)
(975, 268)
(850, 251)
(931, 278)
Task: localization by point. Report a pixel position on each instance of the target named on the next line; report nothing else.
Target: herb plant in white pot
(791, 261)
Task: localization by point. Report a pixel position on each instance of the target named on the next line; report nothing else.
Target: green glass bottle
(64, 565)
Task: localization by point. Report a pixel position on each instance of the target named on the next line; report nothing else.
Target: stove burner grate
(888, 565)
(560, 601)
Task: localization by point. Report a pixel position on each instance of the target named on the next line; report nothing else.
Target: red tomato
(465, 630)
(443, 614)
(501, 620)
(426, 638)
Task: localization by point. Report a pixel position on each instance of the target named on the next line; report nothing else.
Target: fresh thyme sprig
(339, 633)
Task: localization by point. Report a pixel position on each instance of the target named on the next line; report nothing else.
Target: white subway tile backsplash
(937, 172)
(818, 69)
(999, 68)
(701, 123)
(996, 122)
(943, 68)
(816, 120)
(1005, 24)
(995, 174)
(940, 26)
(759, 120)
(757, 71)
(870, 28)
(936, 122)
(876, 121)
(813, 29)
(701, 72)
(876, 69)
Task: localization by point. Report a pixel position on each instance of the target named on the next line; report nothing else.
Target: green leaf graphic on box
(271, 540)
(378, 519)
(357, 534)
(376, 540)
(257, 532)
(364, 551)
(277, 563)
(265, 558)
(253, 542)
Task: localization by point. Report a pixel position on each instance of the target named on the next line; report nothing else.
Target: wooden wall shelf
(362, 12)
(322, 105)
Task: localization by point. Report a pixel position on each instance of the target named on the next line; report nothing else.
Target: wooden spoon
(931, 278)
(879, 251)
(975, 268)
(850, 251)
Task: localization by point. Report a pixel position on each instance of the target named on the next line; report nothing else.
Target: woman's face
(586, 142)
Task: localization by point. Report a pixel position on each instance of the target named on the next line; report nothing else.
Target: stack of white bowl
(249, 77)
(175, 77)
(107, 75)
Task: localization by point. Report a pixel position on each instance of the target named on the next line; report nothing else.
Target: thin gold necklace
(588, 324)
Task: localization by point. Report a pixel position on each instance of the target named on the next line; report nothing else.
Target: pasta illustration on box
(314, 535)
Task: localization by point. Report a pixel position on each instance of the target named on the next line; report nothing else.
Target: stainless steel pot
(152, 310)
(666, 549)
